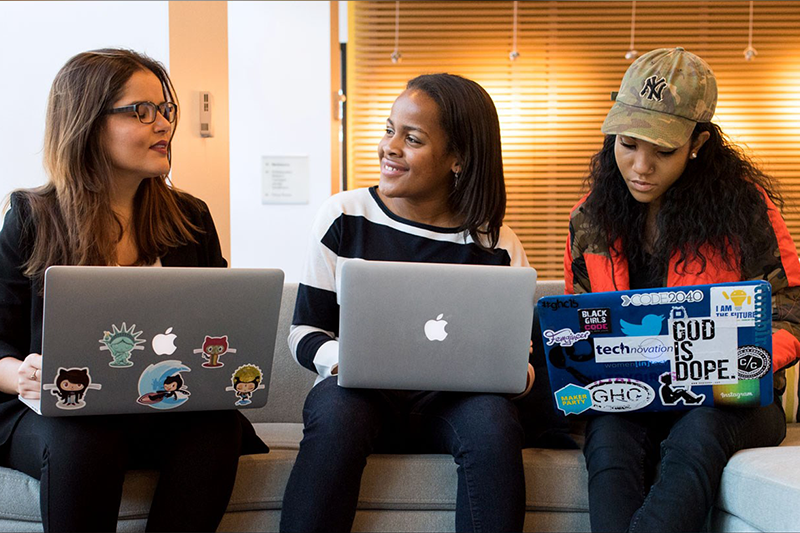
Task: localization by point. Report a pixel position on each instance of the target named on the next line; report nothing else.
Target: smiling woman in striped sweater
(441, 198)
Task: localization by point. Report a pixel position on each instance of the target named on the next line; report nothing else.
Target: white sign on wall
(284, 179)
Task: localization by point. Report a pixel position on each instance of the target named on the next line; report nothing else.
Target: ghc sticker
(573, 400)
(616, 395)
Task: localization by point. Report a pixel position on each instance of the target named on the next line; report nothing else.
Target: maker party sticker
(573, 399)
(70, 386)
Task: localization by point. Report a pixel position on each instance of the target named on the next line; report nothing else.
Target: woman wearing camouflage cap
(672, 202)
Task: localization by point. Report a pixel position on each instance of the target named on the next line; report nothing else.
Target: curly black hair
(717, 201)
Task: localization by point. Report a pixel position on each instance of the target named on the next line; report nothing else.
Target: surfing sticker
(161, 385)
(70, 386)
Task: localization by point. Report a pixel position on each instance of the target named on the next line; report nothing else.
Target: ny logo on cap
(652, 89)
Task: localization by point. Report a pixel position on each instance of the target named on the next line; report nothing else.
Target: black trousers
(81, 464)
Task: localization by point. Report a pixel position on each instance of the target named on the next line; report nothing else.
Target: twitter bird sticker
(651, 325)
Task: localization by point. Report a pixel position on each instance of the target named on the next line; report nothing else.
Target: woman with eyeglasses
(110, 120)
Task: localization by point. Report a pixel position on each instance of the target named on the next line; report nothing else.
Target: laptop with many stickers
(662, 349)
(438, 327)
(147, 340)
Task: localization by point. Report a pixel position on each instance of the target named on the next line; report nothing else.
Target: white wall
(36, 39)
(280, 104)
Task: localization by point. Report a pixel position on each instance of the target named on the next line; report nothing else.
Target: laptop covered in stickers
(151, 340)
(664, 349)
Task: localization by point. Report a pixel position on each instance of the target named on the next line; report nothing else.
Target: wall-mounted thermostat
(206, 125)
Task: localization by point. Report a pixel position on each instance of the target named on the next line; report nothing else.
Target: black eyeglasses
(146, 111)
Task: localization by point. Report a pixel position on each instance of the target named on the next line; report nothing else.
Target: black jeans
(344, 426)
(81, 464)
(623, 452)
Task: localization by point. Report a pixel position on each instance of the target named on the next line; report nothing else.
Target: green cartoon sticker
(121, 343)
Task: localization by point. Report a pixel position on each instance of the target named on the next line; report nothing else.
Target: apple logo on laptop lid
(434, 329)
(164, 343)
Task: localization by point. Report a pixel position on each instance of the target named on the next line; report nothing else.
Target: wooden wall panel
(553, 99)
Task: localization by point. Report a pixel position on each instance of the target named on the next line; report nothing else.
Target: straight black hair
(469, 118)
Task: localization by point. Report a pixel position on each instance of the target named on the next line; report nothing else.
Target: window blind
(552, 100)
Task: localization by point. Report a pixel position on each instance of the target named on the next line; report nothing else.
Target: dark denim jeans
(623, 451)
(344, 426)
(81, 463)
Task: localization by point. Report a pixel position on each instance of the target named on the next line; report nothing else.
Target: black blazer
(21, 304)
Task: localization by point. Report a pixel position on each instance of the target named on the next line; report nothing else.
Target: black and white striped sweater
(357, 224)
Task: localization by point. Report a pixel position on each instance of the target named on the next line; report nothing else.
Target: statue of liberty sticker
(121, 342)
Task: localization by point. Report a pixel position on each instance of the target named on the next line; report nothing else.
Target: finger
(31, 374)
(28, 388)
(34, 360)
(30, 394)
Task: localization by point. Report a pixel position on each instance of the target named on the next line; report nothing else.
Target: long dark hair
(469, 118)
(718, 201)
(74, 222)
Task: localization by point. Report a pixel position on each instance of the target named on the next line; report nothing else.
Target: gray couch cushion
(290, 382)
(19, 496)
(761, 487)
(555, 479)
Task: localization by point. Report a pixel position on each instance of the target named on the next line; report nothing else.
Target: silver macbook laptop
(146, 340)
(430, 326)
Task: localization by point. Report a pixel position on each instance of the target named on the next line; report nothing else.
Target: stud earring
(693, 156)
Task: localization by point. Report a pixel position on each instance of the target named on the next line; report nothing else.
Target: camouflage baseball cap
(663, 95)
